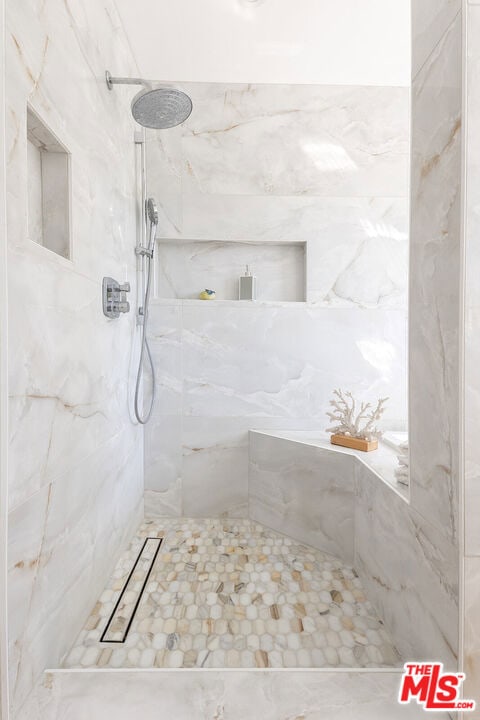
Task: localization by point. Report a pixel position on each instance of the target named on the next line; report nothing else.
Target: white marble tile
(76, 460)
(472, 415)
(352, 213)
(165, 340)
(435, 284)
(363, 350)
(381, 462)
(409, 570)
(296, 140)
(304, 492)
(26, 531)
(356, 247)
(60, 384)
(227, 388)
(298, 164)
(472, 293)
(164, 178)
(430, 20)
(163, 448)
(215, 466)
(215, 694)
(471, 568)
(164, 503)
(35, 212)
(79, 531)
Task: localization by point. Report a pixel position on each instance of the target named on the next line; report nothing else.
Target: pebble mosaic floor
(231, 593)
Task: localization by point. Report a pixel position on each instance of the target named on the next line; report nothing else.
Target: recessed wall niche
(48, 174)
(186, 267)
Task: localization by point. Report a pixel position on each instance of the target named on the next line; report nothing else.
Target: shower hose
(140, 414)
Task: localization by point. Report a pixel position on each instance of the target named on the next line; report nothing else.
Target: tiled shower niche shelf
(186, 267)
(48, 172)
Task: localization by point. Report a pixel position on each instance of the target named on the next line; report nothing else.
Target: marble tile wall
(412, 569)
(303, 491)
(75, 486)
(409, 569)
(226, 368)
(408, 556)
(435, 284)
(335, 502)
(325, 166)
(3, 394)
(294, 163)
(472, 355)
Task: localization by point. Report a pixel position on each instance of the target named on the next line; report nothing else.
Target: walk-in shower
(156, 107)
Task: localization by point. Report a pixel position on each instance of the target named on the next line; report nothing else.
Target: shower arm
(111, 81)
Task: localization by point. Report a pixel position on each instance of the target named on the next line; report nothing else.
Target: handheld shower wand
(158, 107)
(151, 214)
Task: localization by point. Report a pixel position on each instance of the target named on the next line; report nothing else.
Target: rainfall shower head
(152, 211)
(159, 107)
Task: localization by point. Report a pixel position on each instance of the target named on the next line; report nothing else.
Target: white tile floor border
(220, 695)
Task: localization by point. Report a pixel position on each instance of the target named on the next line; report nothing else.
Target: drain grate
(123, 614)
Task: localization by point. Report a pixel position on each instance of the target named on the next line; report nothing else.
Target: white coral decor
(358, 423)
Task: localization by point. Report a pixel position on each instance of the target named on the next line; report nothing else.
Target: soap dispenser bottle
(247, 286)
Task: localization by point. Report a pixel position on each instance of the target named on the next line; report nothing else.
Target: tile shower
(226, 367)
(312, 187)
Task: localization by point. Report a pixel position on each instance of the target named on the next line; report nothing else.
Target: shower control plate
(114, 296)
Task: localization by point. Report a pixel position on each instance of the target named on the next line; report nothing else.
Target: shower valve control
(114, 297)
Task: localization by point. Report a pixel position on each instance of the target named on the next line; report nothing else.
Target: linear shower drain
(123, 614)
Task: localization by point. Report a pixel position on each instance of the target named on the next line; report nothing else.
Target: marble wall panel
(296, 140)
(471, 659)
(198, 466)
(435, 295)
(70, 546)
(76, 459)
(336, 503)
(215, 466)
(298, 163)
(325, 166)
(472, 294)
(284, 361)
(430, 20)
(303, 491)
(247, 366)
(357, 248)
(410, 572)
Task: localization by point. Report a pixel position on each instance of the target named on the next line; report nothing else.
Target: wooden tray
(354, 443)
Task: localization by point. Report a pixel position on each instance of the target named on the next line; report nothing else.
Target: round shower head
(152, 211)
(161, 107)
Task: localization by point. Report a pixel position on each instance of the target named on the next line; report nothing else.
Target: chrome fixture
(158, 107)
(114, 297)
(151, 215)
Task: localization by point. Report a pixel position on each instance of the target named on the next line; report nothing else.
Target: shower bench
(301, 485)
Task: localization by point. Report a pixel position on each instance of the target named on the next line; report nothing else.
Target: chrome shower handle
(114, 297)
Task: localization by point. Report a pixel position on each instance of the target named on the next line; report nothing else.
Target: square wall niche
(48, 172)
(186, 267)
